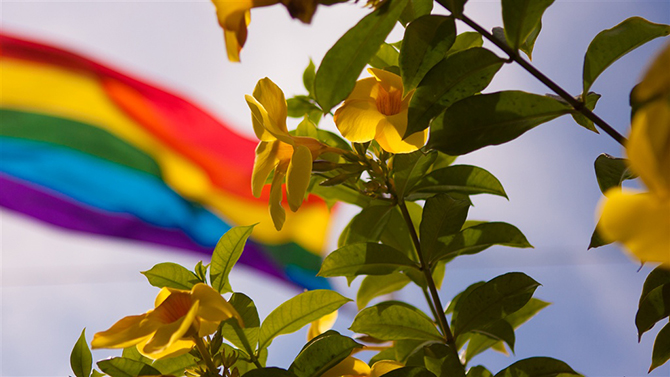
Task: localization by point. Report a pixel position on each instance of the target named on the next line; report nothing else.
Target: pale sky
(55, 282)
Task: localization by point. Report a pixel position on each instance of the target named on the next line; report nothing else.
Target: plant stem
(436, 303)
(576, 104)
(205, 355)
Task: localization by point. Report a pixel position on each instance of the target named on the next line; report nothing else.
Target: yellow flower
(288, 156)
(376, 109)
(350, 366)
(234, 17)
(171, 327)
(641, 220)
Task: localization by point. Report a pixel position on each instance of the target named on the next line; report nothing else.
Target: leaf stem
(514, 56)
(205, 355)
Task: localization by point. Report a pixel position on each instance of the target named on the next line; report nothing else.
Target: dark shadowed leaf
(661, 353)
(442, 216)
(479, 371)
(590, 103)
(464, 41)
(654, 307)
(386, 56)
(269, 372)
(414, 10)
(410, 168)
(454, 6)
(522, 20)
(657, 277)
(537, 367)
(322, 353)
(395, 321)
(611, 171)
(175, 366)
(365, 259)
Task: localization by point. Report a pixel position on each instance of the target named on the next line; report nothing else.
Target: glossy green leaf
(171, 275)
(395, 321)
(497, 331)
(654, 307)
(269, 372)
(122, 367)
(442, 216)
(95, 373)
(365, 259)
(244, 338)
(386, 354)
(226, 253)
(414, 10)
(453, 304)
(409, 168)
(492, 301)
(367, 226)
(491, 119)
(464, 41)
(479, 371)
(454, 6)
(590, 103)
(657, 277)
(81, 360)
(374, 286)
(537, 367)
(410, 371)
(298, 312)
(386, 56)
(611, 44)
(405, 348)
(427, 39)
(397, 233)
(134, 354)
(529, 44)
(442, 360)
(661, 352)
(611, 171)
(308, 78)
(464, 179)
(322, 353)
(343, 63)
(521, 19)
(479, 237)
(298, 106)
(459, 76)
(175, 366)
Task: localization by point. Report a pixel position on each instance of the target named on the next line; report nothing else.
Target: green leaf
(590, 103)
(442, 360)
(409, 168)
(374, 286)
(479, 371)
(654, 307)
(344, 62)
(459, 76)
(464, 41)
(298, 312)
(657, 277)
(269, 372)
(492, 301)
(308, 78)
(442, 216)
(537, 367)
(497, 331)
(397, 233)
(491, 119)
(365, 259)
(427, 39)
(298, 106)
(175, 366)
(414, 10)
(611, 171)
(245, 338)
(386, 56)
(529, 43)
(226, 253)
(454, 302)
(395, 321)
(122, 367)
(410, 371)
(597, 240)
(454, 6)
(322, 353)
(171, 275)
(661, 353)
(134, 354)
(367, 226)
(611, 44)
(463, 179)
(479, 237)
(521, 19)
(81, 360)
(386, 354)
(95, 373)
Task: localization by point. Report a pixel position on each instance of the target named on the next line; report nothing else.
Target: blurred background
(56, 282)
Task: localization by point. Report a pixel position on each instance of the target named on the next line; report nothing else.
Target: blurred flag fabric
(85, 147)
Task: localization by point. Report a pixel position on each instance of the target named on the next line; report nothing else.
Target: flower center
(175, 306)
(389, 103)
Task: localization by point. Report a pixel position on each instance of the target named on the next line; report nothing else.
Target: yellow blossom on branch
(288, 156)
(641, 220)
(376, 109)
(171, 327)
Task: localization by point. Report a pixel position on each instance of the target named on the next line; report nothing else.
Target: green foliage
(611, 171)
(462, 179)
(442, 360)
(414, 10)
(611, 44)
(81, 360)
(374, 286)
(409, 168)
(479, 371)
(661, 352)
(122, 367)
(269, 372)
(464, 41)
(244, 338)
(537, 367)
(385, 58)
(174, 365)
(226, 253)
(298, 312)
(491, 119)
(322, 353)
(395, 321)
(654, 307)
(365, 259)
(590, 103)
(523, 21)
(171, 275)
(442, 216)
(454, 6)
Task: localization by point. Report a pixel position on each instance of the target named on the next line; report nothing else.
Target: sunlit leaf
(365, 259)
(492, 301)
(497, 331)
(386, 56)
(81, 360)
(414, 10)
(459, 76)
(298, 106)
(395, 321)
(122, 367)
(246, 337)
(521, 19)
(171, 275)
(654, 307)
(611, 44)
(343, 63)
(226, 253)
(175, 366)
(386, 354)
(611, 171)
(454, 6)
(308, 78)
(491, 119)
(322, 353)
(442, 216)
(528, 45)
(464, 41)
(537, 367)
(134, 354)
(409, 168)
(374, 286)
(661, 353)
(464, 179)
(427, 39)
(298, 312)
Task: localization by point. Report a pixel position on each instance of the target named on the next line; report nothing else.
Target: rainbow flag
(85, 147)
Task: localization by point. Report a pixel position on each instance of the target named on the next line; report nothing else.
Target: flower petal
(268, 94)
(391, 130)
(259, 118)
(321, 325)
(266, 160)
(297, 178)
(365, 89)
(213, 307)
(640, 221)
(357, 120)
(382, 367)
(127, 332)
(388, 80)
(350, 366)
(175, 349)
(170, 333)
(277, 196)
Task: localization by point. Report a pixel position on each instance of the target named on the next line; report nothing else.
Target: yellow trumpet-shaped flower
(376, 109)
(171, 327)
(288, 156)
(641, 220)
